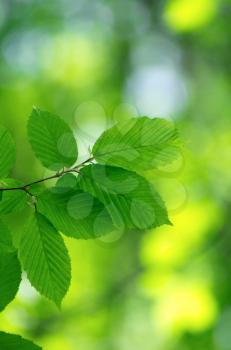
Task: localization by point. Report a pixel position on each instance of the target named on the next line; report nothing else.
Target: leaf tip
(58, 303)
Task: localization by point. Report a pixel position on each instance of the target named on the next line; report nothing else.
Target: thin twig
(55, 176)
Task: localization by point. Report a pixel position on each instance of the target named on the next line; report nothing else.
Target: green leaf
(7, 152)
(10, 277)
(15, 342)
(6, 244)
(129, 198)
(12, 201)
(75, 213)
(45, 258)
(52, 140)
(138, 144)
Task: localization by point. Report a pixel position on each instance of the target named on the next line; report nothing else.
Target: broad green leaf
(138, 144)
(6, 244)
(129, 198)
(52, 140)
(75, 213)
(10, 278)
(45, 258)
(12, 201)
(15, 342)
(7, 152)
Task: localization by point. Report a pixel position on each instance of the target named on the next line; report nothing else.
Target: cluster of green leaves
(106, 192)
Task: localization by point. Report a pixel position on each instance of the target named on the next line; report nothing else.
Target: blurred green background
(97, 62)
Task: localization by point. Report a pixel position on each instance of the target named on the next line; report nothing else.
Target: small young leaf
(10, 277)
(52, 140)
(66, 182)
(130, 199)
(37, 189)
(75, 213)
(12, 201)
(15, 342)
(45, 258)
(138, 144)
(7, 152)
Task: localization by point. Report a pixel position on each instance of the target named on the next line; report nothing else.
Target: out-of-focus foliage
(104, 61)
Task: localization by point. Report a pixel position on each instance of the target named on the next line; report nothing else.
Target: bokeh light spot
(188, 15)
